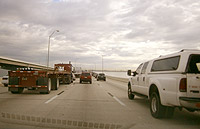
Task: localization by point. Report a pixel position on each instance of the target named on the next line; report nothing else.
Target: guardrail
(118, 79)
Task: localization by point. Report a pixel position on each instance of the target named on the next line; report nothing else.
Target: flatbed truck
(42, 80)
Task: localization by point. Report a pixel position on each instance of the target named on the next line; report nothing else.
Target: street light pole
(49, 48)
(102, 63)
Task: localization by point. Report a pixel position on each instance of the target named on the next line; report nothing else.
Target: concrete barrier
(118, 79)
(0, 81)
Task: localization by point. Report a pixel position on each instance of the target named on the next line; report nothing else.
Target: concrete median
(118, 79)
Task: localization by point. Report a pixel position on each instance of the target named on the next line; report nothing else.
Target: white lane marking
(119, 101)
(51, 99)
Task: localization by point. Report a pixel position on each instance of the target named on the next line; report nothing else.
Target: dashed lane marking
(120, 102)
(48, 101)
(51, 99)
(60, 92)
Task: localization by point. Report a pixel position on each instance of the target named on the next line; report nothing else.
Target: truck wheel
(58, 84)
(156, 108)
(90, 82)
(49, 86)
(191, 110)
(14, 92)
(20, 90)
(130, 94)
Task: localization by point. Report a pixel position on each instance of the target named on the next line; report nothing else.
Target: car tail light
(89, 77)
(183, 85)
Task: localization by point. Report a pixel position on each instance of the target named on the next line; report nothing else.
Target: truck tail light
(89, 77)
(183, 85)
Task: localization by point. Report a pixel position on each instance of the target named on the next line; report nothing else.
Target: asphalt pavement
(100, 105)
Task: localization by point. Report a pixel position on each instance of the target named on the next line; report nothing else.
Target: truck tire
(190, 110)
(20, 90)
(48, 90)
(90, 82)
(54, 83)
(58, 84)
(130, 94)
(156, 108)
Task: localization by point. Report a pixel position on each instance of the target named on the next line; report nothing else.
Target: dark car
(86, 77)
(101, 76)
(95, 75)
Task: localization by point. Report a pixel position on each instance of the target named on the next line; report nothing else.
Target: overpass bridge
(13, 64)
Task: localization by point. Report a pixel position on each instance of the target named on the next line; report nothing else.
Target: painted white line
(119, 101)
(51, 99)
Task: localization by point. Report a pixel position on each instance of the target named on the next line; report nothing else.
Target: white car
(5, 80)
(168, 81)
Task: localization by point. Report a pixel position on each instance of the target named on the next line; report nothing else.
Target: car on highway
(94, 74)
(86, 77)
(101, 76)
(5, 80)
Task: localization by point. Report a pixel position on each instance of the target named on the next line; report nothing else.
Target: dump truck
(64, 72)
(78, 72)
(42, 80)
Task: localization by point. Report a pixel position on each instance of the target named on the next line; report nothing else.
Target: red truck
(42, 80)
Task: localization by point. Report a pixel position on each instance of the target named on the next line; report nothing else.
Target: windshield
(85, 74)
(67, 63)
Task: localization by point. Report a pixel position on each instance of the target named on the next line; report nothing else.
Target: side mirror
(134, 73)
(129, 72)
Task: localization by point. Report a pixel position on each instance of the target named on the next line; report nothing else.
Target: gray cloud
(126, 32)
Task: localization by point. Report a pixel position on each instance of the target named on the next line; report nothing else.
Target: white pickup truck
(5, 80)
(168, 81)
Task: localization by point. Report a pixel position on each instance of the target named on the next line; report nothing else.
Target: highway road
(84, 106)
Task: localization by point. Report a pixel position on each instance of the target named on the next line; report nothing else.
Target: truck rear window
(193, 65)
(85, 74)
(167, 64)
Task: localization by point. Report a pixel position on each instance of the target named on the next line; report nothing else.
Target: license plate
(24, 78)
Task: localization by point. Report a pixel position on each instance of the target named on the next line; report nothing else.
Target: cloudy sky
(123, 32)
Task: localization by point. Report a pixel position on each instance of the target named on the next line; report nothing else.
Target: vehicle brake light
(183, 85)
(89, 77)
